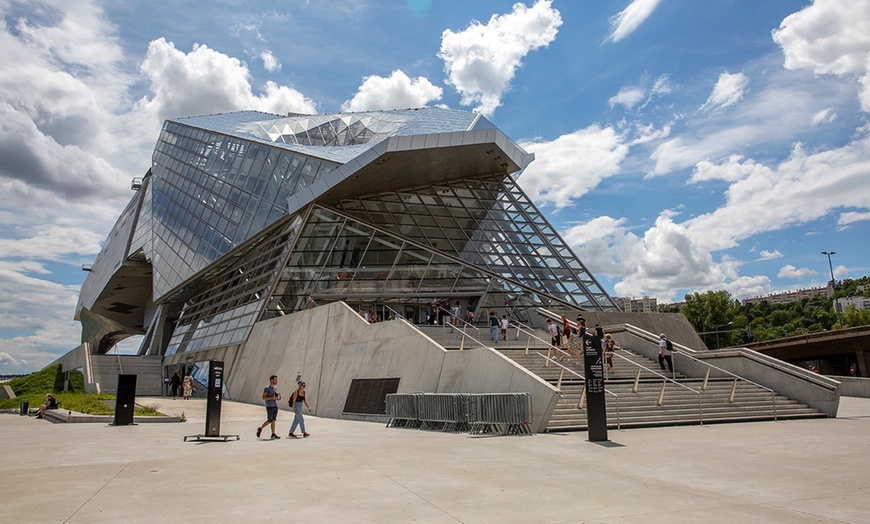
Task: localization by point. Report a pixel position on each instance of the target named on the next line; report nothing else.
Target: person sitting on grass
(50, 403)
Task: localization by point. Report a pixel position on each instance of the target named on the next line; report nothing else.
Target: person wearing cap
(297, 400)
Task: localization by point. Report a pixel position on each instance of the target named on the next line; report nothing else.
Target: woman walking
(297, 400)
(609, 344)
(187, 386)
(175, 382)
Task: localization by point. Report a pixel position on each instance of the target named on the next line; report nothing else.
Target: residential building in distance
(636, 305)
(842, 303)
(790, 296)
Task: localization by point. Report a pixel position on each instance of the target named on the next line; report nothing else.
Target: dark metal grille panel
(368, 395)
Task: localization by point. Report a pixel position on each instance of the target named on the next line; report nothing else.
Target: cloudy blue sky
(681, 145)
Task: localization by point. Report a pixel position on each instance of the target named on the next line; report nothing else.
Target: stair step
(641, 409)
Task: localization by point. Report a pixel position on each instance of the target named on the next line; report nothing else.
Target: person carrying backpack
(665, 349)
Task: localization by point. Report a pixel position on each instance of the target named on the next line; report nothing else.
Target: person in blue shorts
(271, 396)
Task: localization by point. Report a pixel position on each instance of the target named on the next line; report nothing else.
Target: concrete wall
(76, 358)
(854, 386)
(331, 345)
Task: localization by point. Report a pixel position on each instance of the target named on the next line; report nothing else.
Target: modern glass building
(242, 216)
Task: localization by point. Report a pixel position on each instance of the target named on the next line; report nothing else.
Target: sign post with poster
(213, 405)
(213, 402)
(596, 408)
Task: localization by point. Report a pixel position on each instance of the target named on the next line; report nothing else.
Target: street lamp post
(717, 332)
(834, 286)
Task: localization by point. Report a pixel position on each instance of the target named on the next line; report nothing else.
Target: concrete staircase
(148, 371)
(683, 401)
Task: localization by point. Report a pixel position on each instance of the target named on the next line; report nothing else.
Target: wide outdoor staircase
(638, 394)
(148, 371)
(635, 394)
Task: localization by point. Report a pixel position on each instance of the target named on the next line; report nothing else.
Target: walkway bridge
(833, 350)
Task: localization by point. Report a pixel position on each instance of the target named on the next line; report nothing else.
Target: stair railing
(683, 354)
(665, 380)
(582, 401)
(531, 334)
(395, 314)
(465, 329)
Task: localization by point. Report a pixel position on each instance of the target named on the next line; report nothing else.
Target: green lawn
(34, 387)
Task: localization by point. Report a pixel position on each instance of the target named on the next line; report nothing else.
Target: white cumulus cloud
(728, 91)
(732, 170)
(395, 91)
(829, 37)
(851, 217)
(572, 165)
(271, 63)
(789, 271)
(481, 60)
(629, 19)
(825, 116)
(628, 97)
(205, 81)
(770, 255)
(7, 359)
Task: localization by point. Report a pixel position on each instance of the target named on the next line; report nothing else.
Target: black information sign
(596, 409)
(213, 404)
(125, 400)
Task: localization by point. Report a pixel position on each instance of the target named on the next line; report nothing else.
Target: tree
(854, 317)
(715, 317)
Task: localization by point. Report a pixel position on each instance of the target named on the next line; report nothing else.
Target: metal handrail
(665, 381)
(645, 335)
(522, 328)
(634, 390)
(583, 392)
(396, 314)
(464, 326)
(118, 358)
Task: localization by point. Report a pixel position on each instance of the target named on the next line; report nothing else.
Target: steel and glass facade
(242, 216)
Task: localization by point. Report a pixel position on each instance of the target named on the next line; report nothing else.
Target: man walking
(493, 326)
(665, 348)
(271, 396)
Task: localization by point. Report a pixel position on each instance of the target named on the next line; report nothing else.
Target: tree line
(724, 322)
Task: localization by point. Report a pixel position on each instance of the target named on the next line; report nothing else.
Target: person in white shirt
(503, 326)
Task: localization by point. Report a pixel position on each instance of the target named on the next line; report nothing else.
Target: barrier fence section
(501, 414)
(479, 414)
(444, 411)
(403, 410)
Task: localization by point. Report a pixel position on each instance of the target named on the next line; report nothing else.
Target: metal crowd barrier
(501, 414)
(403, 410)
(444, 411)
(479, 414)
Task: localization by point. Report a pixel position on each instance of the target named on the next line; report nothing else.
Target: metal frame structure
(242, 216)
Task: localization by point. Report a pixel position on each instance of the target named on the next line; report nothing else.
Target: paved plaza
(797, 471)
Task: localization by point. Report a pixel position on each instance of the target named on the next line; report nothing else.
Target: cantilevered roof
(338, 137)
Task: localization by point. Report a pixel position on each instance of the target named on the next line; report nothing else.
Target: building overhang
(407, 161)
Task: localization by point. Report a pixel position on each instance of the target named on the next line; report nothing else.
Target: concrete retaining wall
(854, 386)
(331, 345)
